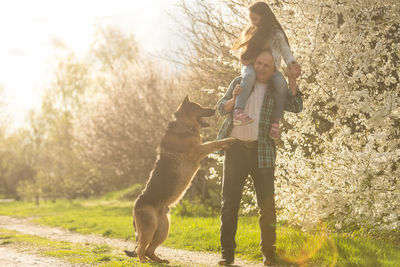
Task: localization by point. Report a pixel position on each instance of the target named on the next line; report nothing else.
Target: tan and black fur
(178, 160)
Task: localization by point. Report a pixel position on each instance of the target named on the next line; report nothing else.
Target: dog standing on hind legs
(178, 159)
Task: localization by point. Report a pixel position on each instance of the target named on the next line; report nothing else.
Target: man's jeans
(240, 161)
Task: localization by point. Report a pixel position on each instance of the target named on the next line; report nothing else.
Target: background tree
(135, 98)
(103, 114)
(13, 147)
(100, 122)
(3, 113)
(339, 158)
(60, 172)
(14, 168)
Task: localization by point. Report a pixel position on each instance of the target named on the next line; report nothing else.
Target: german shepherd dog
(178, 159)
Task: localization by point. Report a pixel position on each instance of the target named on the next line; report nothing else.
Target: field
(112, 218)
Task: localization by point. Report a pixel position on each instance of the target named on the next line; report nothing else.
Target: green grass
(113, 219)
(99, 255)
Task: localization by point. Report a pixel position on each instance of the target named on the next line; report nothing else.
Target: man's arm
(295, 102)
(293, 85)
(230, 104)
(227, 102)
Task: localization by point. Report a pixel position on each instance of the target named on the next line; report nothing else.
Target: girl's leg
(281, 90)
(247, 83)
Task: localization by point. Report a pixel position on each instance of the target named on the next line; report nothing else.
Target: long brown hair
(254, 38)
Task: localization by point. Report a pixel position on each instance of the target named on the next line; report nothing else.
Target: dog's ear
(182, 105)
(186, 100)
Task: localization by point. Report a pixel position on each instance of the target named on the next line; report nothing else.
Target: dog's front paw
(228, 142)
(232, 139)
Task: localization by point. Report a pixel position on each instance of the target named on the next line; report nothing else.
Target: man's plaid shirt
(266, 146)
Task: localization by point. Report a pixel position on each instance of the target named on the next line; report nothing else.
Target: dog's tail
(133, 253)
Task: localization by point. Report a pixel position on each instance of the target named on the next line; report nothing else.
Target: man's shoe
(268, 262)
(225, 262)
(269, 258)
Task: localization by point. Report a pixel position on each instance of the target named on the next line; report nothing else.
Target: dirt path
(188, 258)
(11, 257)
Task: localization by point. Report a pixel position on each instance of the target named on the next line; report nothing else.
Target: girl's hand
(237, 90)
(245, 62)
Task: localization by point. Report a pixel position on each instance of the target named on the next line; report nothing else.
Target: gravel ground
(15, 258)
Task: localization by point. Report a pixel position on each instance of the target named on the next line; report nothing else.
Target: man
(253, 154)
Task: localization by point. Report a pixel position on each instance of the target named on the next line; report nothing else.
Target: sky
(28, 29)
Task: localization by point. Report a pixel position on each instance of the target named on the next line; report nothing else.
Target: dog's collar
(178, 127)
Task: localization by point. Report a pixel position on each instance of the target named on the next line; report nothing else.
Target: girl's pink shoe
(240, 118)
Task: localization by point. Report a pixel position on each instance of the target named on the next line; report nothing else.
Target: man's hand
(237, 91)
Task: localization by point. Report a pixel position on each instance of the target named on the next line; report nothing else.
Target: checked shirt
(266, 146)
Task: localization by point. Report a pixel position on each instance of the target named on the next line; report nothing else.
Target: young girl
(264, 31)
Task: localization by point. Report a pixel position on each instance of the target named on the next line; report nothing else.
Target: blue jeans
(278, 83)
(281, 90)
(248, 80)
